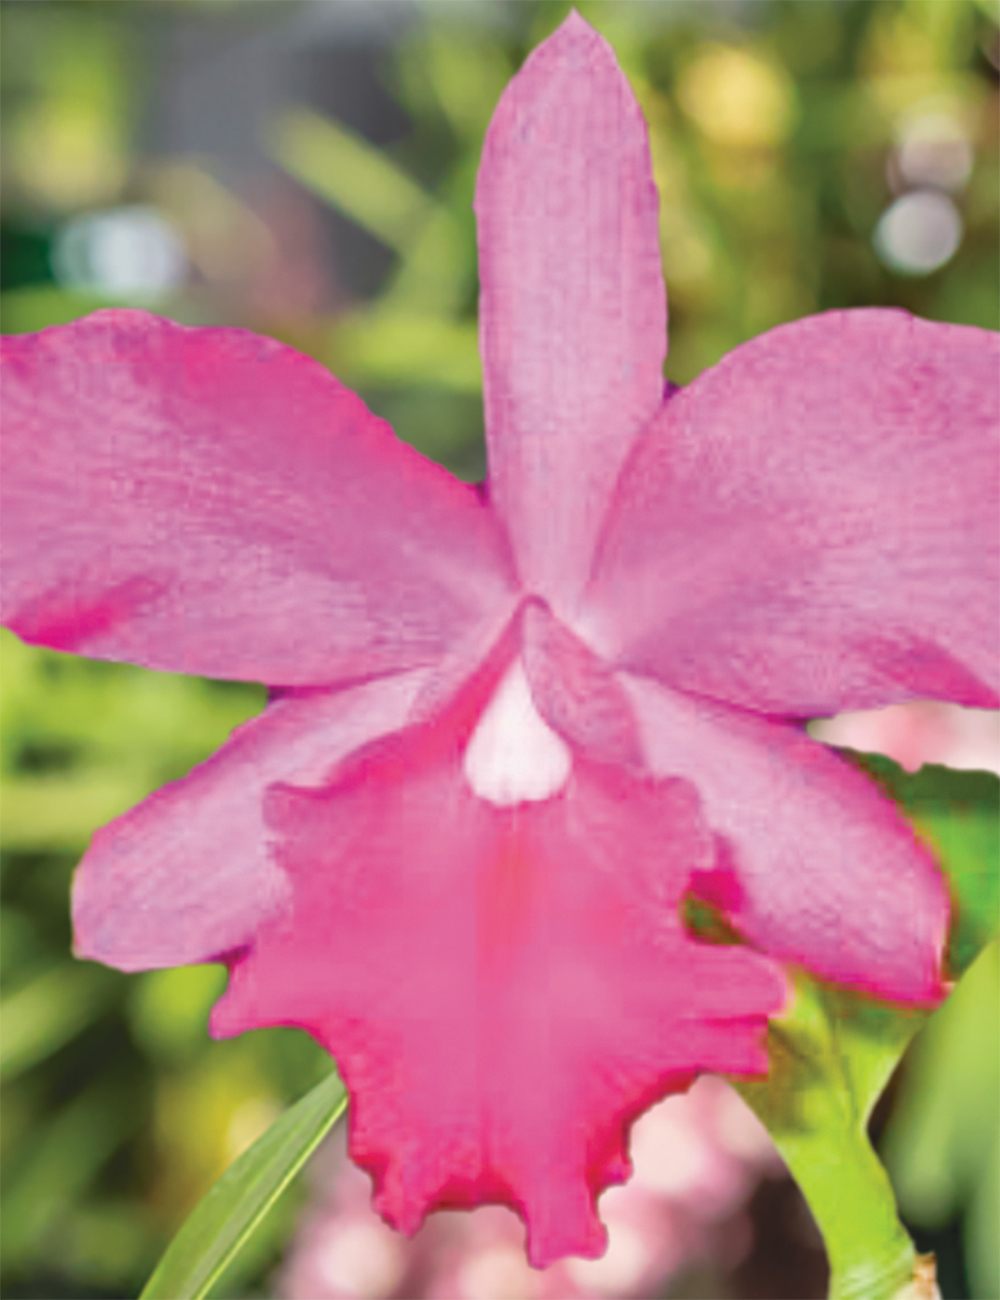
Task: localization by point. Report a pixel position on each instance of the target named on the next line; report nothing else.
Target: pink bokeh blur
(696, 1159)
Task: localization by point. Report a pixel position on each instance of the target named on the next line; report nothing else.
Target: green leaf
(44, 1014)
(347, 171)
(391, 348)
(219, 1226)
(830, 1058)
(942, 1142)
(65, 1158)
(368, 186)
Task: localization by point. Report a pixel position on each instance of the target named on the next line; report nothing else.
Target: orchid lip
(513, 755)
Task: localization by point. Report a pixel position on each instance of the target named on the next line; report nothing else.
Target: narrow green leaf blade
(221, 1223)
(347, 171)
(46, 1013)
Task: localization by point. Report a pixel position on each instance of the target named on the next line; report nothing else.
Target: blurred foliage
(68, 106)
(942, 1146)
(776, 129)
(118, 1115)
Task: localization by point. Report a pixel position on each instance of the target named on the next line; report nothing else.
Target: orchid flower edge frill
(510, 732)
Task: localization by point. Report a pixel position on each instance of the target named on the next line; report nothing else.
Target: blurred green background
(306, 169)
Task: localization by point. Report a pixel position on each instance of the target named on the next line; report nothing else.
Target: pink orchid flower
(514, 729)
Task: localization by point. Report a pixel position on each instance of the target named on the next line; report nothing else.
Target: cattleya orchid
(510, 730)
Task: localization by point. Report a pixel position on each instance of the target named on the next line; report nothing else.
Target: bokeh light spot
(919, 233)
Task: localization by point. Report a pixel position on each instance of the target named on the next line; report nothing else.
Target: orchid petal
(823, 869)
(211, 502)
(572, 306)
(812, 526)
(576, 692)
(504, 990)
(188, 876)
